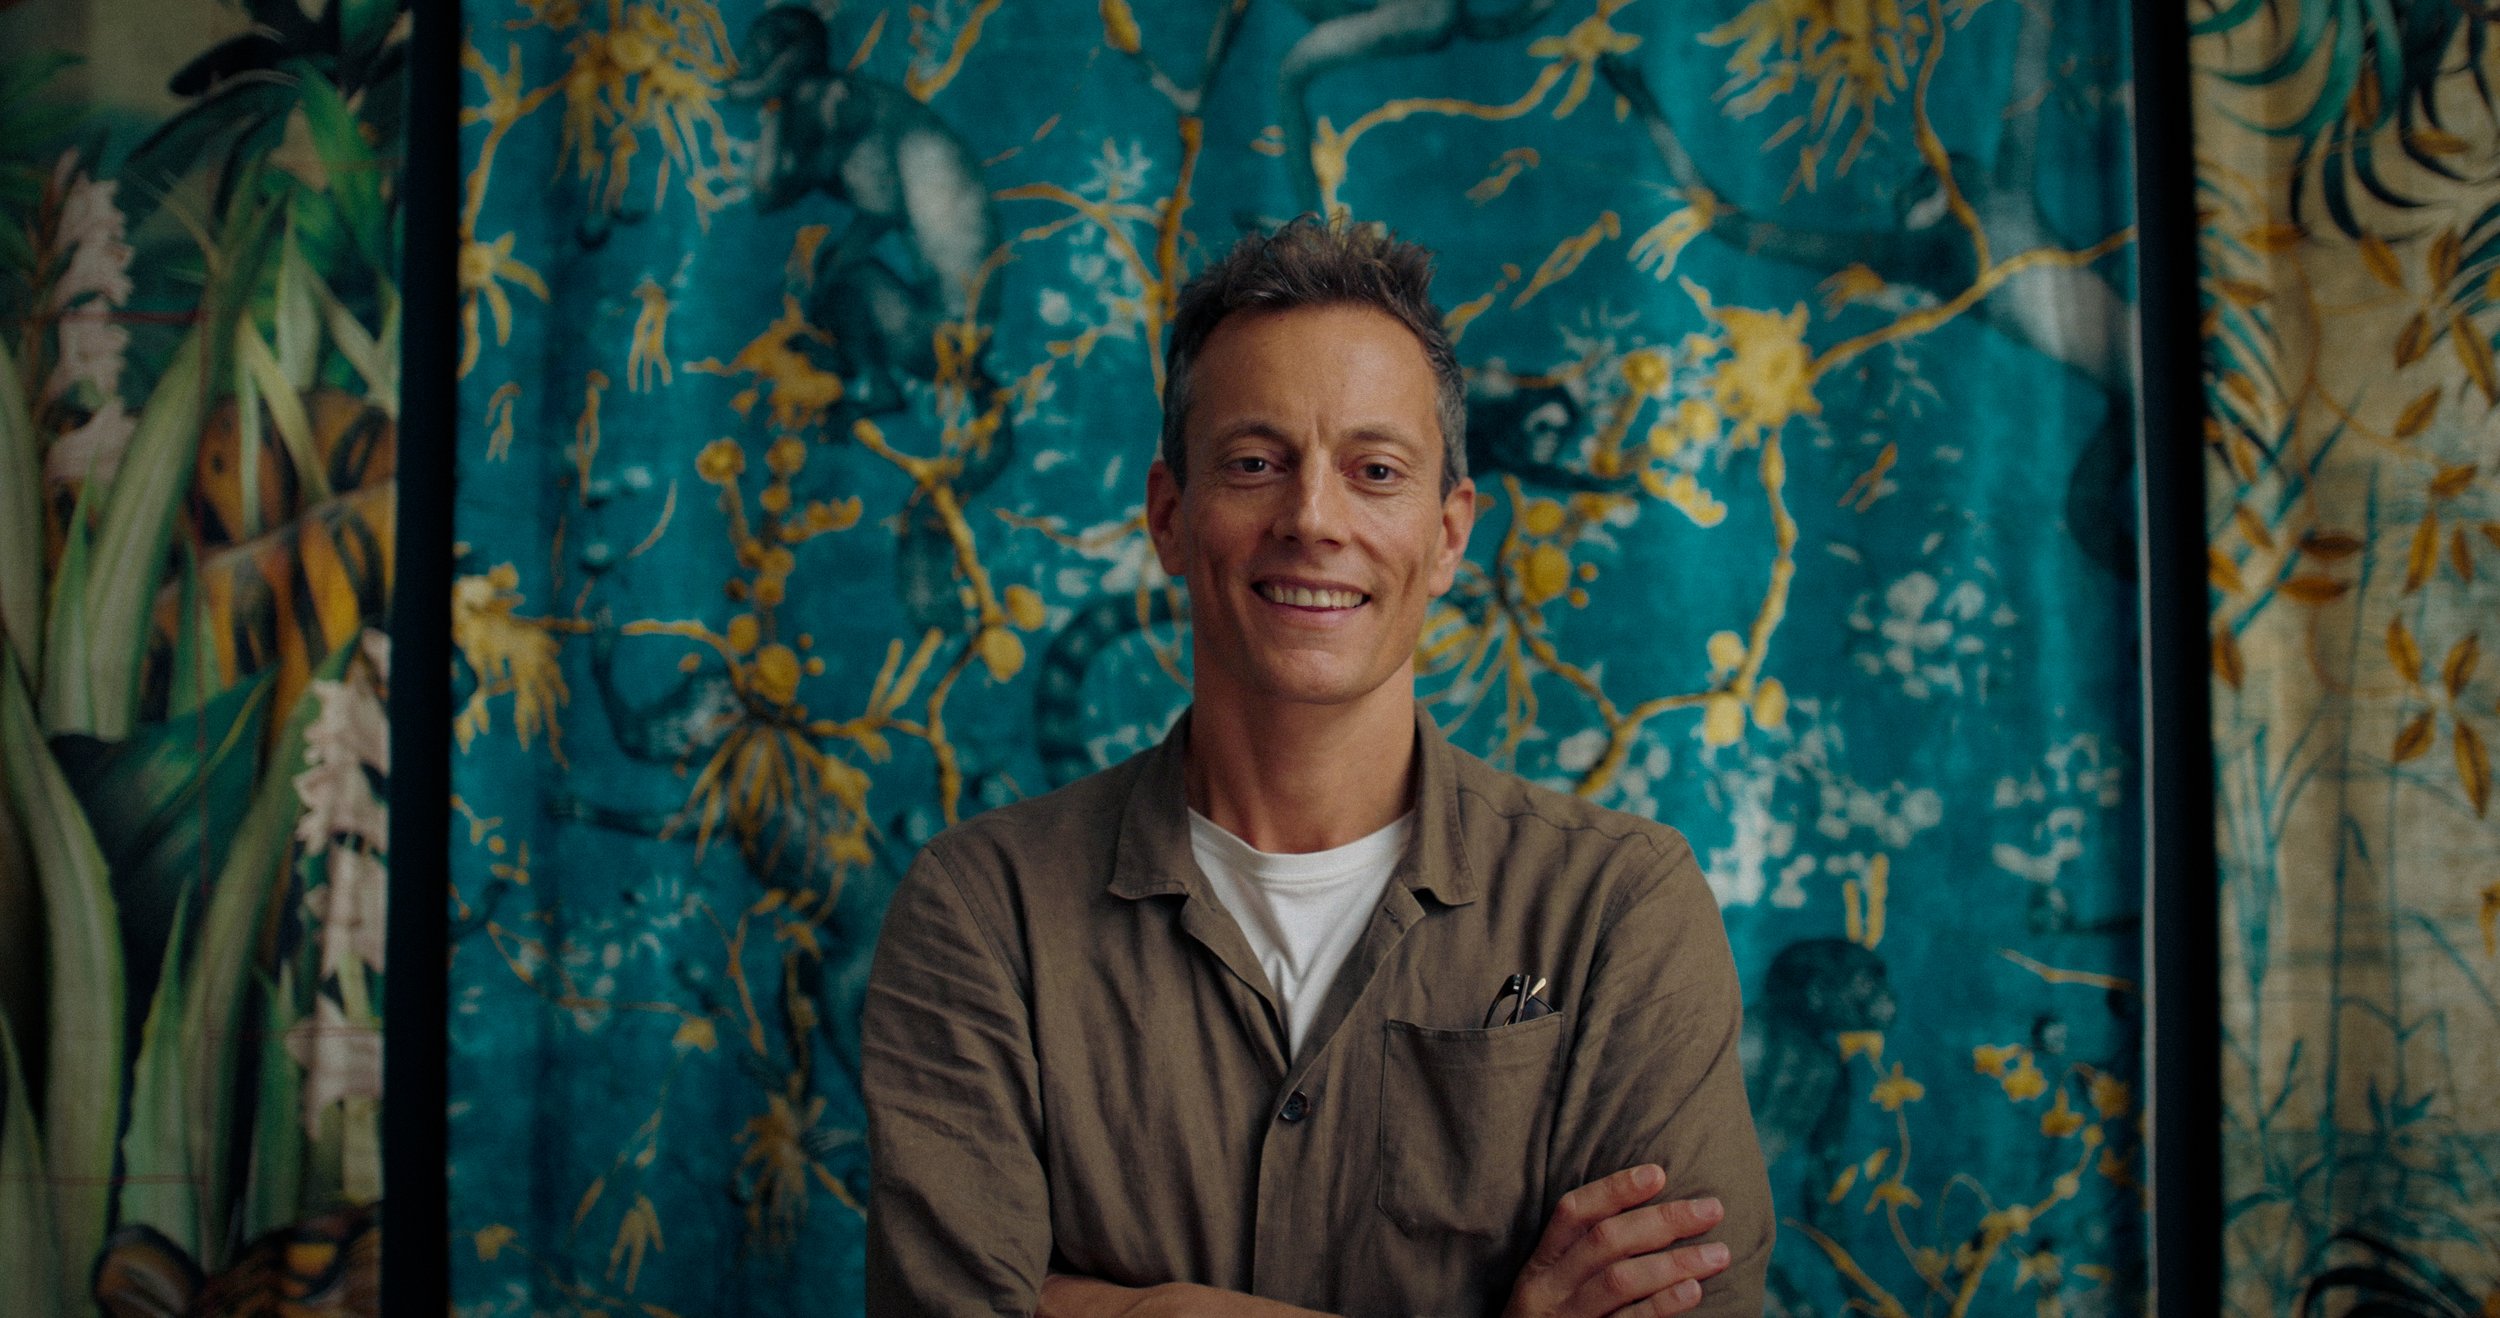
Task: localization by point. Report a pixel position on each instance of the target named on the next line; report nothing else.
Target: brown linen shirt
(1072, 1061)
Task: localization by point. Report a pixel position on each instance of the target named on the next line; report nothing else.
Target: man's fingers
(1642, 1231)
(1661, 1283)
(1595, 1202)
(1682, 1297)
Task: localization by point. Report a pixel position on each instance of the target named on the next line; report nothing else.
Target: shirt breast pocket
(1464, 1120)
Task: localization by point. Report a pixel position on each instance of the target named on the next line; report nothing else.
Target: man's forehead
(1356, 364)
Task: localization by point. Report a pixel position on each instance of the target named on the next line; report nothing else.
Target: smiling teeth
(1312, 599)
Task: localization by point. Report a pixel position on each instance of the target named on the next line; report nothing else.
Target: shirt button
(1297, 1106)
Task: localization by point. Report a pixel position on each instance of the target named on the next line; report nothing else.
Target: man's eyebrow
(1367, 432)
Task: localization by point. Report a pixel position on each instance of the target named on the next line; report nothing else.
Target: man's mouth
(1310, 597)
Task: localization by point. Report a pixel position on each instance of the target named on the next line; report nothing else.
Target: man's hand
(1605, 1251)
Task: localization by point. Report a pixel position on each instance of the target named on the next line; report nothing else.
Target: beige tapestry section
(2350, 231)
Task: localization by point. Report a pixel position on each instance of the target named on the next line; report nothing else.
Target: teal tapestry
(808, 377)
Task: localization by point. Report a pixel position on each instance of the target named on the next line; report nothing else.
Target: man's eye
(1250, 466)
(1379, 471)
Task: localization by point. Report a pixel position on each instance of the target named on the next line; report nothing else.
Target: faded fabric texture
(2351, 248)
(199, 403)
(809, 384)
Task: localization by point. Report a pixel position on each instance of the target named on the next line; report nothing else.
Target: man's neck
(1302, 778)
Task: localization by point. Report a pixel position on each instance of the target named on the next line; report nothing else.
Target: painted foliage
(198, 392)
(2349, 190)
(809, 382)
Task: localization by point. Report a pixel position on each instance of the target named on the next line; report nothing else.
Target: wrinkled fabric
(1073, 1062)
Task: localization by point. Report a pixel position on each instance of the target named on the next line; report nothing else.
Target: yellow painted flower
(1024, 607)
(787, 455)
(1896, 1089)
(2011, 1220)
(2109, 1095)
(1541, 517)
(1727, 649)
(696, 1032)
(842, 516)
(1767, 377)
(1770, 704)
(743, 632)
(1645, 371)
(491, 1240)
(2025, 1083)
(1000, 651)
(2060, 1120)
(774, 498)
(1993, 1059)
(1544, 574)
(1722, 719)
(721, 461)
(1697, 420)
(773, 675)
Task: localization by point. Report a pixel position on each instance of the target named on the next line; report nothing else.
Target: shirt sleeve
(959, 1207)
(1655, 1075)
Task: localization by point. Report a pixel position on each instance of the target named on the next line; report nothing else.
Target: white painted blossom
(341, 1059)
(91, 230)
(349, 735)
(352, 909)
(92, 351)
(92, 452)
(1925, 650)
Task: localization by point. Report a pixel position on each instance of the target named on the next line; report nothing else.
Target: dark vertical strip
(2182, 897)
(415, 1208)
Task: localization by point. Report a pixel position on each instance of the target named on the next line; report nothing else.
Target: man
(1306, 1007)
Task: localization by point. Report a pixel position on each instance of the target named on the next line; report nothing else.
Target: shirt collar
(1153, 856)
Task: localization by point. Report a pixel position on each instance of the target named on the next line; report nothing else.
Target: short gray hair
(1315, 263)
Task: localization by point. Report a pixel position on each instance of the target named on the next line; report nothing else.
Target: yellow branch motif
(1567, 256)
(923, 82)
(1330, 148)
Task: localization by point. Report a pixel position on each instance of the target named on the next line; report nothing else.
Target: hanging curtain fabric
(199, 393)
(809, 385)
(2351, 252)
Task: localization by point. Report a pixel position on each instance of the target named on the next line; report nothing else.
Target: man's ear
(1163, 511)
(1458, 519)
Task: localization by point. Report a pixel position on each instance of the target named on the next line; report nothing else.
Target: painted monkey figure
(2072, 314)
(1345, 32)
(903, 172)
(1815, 990)
(908, 177)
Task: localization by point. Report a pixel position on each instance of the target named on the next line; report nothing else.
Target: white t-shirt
(1302, 913)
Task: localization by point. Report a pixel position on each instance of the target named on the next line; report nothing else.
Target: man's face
(1312, 531)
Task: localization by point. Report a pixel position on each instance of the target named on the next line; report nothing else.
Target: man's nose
(1316, 510)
